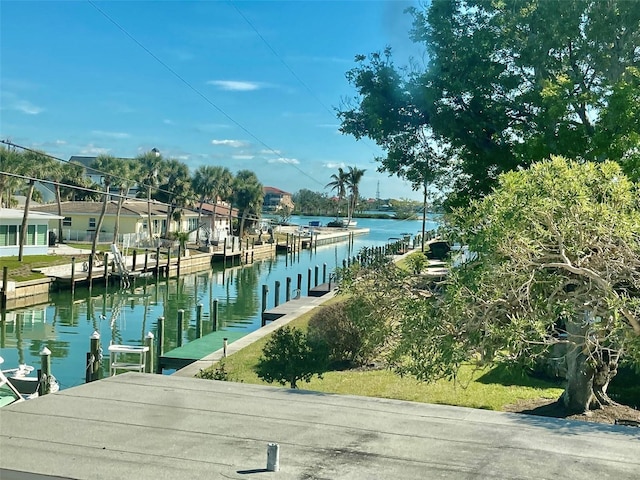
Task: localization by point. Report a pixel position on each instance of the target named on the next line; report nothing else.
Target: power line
(195, 90)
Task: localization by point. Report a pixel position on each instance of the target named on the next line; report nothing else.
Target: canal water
(125, 316)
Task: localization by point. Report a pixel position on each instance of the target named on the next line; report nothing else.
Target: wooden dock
(197, 349)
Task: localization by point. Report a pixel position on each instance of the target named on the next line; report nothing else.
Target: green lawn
(477, 388)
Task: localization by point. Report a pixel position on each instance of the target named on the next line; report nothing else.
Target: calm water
(125, 316)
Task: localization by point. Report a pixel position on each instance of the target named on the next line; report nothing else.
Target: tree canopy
(507, 84)
(555, 256)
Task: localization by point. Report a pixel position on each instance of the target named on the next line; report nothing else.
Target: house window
(66, 222)
(92, 222)
(8, 235)
(31, 235)
(193, 224)
(41, 235)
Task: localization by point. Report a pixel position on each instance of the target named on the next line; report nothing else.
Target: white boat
(8, 393)
(25, 384)
(349, 223)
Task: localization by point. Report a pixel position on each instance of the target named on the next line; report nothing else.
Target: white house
(37, 239)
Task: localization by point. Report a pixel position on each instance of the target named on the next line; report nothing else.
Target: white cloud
(242, 157)
(60, 142)
(166, 121)
(229, 143)
(334, 165)
(289, 161)
(91, 149)
(27, 107)
(235, 85)
(102, 133)
(270, 152)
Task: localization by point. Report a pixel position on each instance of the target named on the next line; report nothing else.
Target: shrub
(289, 356)
(417, 261)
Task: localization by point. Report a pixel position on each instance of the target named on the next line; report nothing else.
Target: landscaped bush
(417, 261)
(353, 331)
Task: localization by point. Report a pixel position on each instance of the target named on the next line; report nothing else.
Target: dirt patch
(611, 414)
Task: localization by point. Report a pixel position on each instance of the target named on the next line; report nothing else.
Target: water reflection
(66, 323)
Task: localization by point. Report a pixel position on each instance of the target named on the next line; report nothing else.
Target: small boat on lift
(8, 393)
(26, 384)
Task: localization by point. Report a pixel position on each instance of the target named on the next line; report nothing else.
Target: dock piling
(288, 291)
(180, 327)
(265, 292)
(277, 294)
(308, 281)
(148, 361)
(160, 346)
(45, 366)
(199, 320)
(224, 347)
(324, 273)
(215, 315)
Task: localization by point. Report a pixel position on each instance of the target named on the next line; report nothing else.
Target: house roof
(130, 207)
(274, 191)
(17, 214)
(221, 209)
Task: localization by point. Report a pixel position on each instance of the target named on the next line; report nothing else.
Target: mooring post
(106, 269)
(309, 281)
(148, 361)
(5, 290)
(214, 326)
(73, 275)
(168, 261)
(157, 263)
(265, 292)
(277, 294)
(198, 320)
(180, 327)
(224, 347)
(273, 457)
(160, 346)
(133, 260)
(299, 283)
(90, 271)
(45, 366)
(316, 269)
(179, 257)
(324, 273)
(224, 253)
(288, 291)
(146, 259)
(96, 354)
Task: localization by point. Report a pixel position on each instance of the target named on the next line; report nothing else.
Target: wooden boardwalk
(199, 348)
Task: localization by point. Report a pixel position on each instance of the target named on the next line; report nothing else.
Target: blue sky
(243, 84)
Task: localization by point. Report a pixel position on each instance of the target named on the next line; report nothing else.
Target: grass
(487, 388)
(22, 271)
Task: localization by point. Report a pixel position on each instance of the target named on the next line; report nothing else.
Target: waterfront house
(276, 199)
(37, 239)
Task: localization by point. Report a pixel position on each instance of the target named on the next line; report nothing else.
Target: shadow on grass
(509, 375)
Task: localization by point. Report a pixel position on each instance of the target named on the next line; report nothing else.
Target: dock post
(45, 366)
(179, 257)
(90, 271)
(106, 269)
(180, 327)
(277, 294)
(252, 256)
(198, 320)
(224, 347)
(168, 262)
(157, 263)
(224, 253)
(309, 281)
(300, 284)
(246, 257)
(214, 317)
(273, 457)
(94, 357)
(160, 346)
(324, 273)
(73, 275)
(148, 361)
(146, 259)
(316, 275)
(265, 292)
(288, 291)
(5, 290)
(133, 260)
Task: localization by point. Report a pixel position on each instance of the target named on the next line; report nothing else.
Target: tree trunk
(94, 244)
(116, 227)
(587, 375)
(23, 229)
(199, 217)
(59, 202)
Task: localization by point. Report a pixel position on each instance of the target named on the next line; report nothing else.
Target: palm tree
(104, 164)
(149, 164)
(175, 188)
(34, 165)
(10, 161)
(248, 196)
(63, 172)
(125, 170)
(339, 184)
(353, 177)
(210, 182)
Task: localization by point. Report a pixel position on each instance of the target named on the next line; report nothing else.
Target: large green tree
(555, 261)
(507, 83)
(248, 196)
(210, 183)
